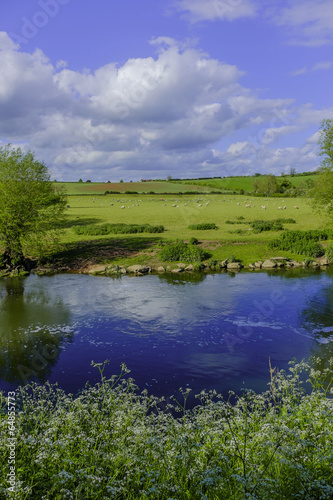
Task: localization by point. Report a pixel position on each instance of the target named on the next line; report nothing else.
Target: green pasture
(176, 213)
(245, 183)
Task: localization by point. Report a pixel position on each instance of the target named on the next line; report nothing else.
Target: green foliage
(102, 229)
(322, 191)
(235, 222)
(326, 143)
(329, 252)
(285, 220)
(266, 225)
(266, 184)
(203, 226)
(31, 206)
(173, 252)
(193, 241)
(111, 441)
(301, 242)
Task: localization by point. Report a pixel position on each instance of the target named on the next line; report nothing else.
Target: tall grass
(113, 442)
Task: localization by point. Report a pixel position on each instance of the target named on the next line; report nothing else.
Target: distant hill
(158, 187)
(237, 184)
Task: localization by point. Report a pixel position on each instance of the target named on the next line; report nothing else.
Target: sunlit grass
(239, 240)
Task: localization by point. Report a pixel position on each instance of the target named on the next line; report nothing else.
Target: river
(204, 331)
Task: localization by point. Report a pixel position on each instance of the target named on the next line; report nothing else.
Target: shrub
(179, 250)
(203, 226)
(102, 229)
(286, 221)
(329, 252)
(193, 241)
(266, 225)
(235, 222)
(237, 231)
(301, 242)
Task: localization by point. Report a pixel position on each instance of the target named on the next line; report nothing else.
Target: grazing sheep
(123, 206)
(185, 204)
(174, 205)
(284, 208)
(199, 205)
(238, 204)
(280, 208)
(111, 204)
(296, 207)
(263, 207)
(247, 206)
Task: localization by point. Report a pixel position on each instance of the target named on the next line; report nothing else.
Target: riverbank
(142, 256)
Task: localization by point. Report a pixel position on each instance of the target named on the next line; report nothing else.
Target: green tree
(31, 206)
(326, 143)
(322, 191)
(266, 184)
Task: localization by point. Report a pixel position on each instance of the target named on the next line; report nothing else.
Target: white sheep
(296, 207)
(123, 206)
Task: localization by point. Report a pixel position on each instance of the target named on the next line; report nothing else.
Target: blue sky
(112, 89)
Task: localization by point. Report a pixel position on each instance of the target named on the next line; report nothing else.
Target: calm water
(212, 331)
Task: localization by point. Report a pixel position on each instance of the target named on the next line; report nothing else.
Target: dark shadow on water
(31, 336)
(183, 279)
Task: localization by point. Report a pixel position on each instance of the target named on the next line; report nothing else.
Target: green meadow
(232, 215)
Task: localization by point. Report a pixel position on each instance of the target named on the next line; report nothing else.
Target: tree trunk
(13, 257)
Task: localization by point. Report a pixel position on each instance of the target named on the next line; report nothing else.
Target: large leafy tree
(322, 191)
(266, 184)
(30, 205)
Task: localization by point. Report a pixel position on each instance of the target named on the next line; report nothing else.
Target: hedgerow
(94, 230)
(203, 226)
(266, 225)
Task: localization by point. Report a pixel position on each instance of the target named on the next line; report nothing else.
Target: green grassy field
(246, 183)
(83, 188)
(229, 239)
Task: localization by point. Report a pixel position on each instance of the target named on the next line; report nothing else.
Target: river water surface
(214, 331)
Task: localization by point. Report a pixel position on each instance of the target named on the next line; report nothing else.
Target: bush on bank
(177, 251)
(113, 442)
(302, 242)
